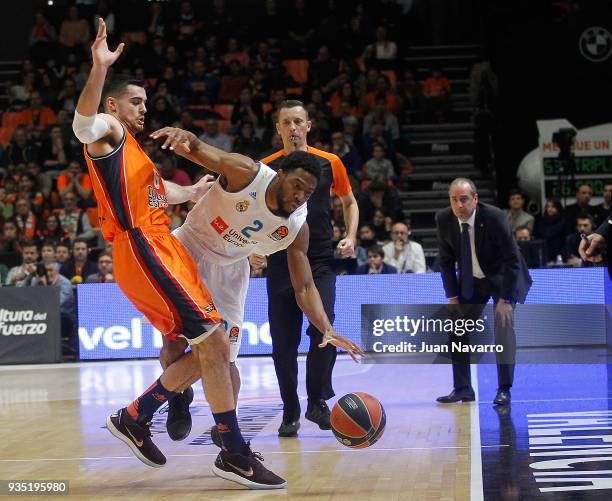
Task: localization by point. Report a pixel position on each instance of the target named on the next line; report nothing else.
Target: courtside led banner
(110, 327)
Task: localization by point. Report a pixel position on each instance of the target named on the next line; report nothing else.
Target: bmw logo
(596, 44)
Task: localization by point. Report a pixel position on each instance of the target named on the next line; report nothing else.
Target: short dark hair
(48, 242)
(301, 160)
(376, 249)
(522, 228)
(28, 243)
(516, 191)
(586, 215)
(292, 103)
(116, 84)
(80, 241)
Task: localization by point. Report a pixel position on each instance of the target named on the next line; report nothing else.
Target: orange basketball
(358, 420)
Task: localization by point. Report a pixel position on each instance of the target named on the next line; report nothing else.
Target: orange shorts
(160, 278)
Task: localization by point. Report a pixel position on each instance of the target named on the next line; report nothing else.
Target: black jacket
(496, 250)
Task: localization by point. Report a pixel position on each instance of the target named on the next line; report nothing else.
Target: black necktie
(467, 276)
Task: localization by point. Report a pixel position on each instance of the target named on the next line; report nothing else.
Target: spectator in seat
(25, 219)
(42, 39)
(377, 135)
(379, 168)
(21, 274)
(586, 225)
(322, 69)
(367, 238)
(605, 208)
(582, 206)
(21, 150)
(214, 137)
(347, 153)
(247, 143)
(236, 53)
(74, 33)
(51, 229)
(9, 239)
(381, 224)
(380, 115)
(63, 252)
(550, 227)
(55, 151)
(42, 179)
(170, 172)
(162, 110)
(186, 123)
(38, 115)
(48, 275)
(6, 206)
(47, 251)
(402, 253)
(436, 93)
(28, 188)
(200, 87)
(379, 195)
(79, 266)
(383, 52)
(68, 96)
(522, 234)
(74, 180)
(233, 82)
(74, 221)
(105, 270)
(376, 264)
(516, 215)
(246, 111)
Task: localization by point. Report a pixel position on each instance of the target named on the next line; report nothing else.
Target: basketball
(358, 420)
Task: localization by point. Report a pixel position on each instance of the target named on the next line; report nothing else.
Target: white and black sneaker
(137, 436)
(246, 469)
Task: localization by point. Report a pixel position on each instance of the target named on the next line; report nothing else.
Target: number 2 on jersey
(257, 225)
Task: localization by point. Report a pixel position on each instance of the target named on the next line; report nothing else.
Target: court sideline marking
(476, 484)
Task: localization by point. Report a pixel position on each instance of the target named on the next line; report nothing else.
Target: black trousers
(483, 291)
(286, 328)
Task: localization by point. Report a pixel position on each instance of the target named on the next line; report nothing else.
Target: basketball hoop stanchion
(565, 138)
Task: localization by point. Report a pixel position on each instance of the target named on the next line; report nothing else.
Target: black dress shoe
(502, 397)
(289, 428)
(319, 413)
(457, 396)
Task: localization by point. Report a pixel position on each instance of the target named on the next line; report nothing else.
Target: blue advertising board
(110, 327)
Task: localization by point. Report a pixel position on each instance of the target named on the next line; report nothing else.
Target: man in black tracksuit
(283, 311)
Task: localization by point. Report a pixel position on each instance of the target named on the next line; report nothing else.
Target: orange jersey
(129, 189)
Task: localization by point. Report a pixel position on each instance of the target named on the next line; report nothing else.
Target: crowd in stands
(221, 73)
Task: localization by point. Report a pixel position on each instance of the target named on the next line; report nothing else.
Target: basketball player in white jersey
(250, 209)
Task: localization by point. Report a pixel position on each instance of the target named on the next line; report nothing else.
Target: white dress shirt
(476, 269)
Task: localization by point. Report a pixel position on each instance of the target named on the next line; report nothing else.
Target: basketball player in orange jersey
(155, 271)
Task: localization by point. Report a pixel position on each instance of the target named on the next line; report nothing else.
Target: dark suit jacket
(496, 250)
(68, 269)
(387, 269)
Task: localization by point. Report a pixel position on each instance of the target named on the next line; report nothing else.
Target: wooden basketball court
(54, 416)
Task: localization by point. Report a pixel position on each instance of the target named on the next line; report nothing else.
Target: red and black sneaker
(215, 435)
(137, 436)
(246, 469)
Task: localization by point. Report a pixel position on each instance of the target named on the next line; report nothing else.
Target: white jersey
(224, 227)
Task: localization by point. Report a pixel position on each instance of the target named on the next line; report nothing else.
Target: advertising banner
(30, 329)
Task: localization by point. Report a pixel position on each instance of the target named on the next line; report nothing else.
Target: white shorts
(228, 287)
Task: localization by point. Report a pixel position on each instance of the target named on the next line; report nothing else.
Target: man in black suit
(478, 238)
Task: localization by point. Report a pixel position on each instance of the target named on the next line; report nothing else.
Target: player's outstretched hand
(102, 56)
(353, 349)
(178, 140)
(590, 249)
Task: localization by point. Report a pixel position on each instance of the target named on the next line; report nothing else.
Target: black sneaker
(136, 436)
(216, 437)
(289, 428)
(178, 422)
(246, 469)
(318, 413)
